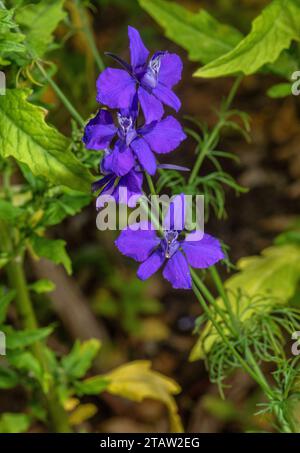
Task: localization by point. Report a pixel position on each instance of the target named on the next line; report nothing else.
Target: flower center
(126, 128)
(151, 76)
(169, 243)
(155, 64)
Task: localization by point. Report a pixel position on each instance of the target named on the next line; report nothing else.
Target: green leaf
(274, 274)
(52, 249)
(8, 378)
(68, 204)
(25, 361)
(77, 363)
(5, 300)
(42, 286)
(91, 386)
(271, 33)
(18, 339)
(14, 423)
(11, 40)
(38, 21)
(25, 135)
(10, 213)
(280, 90)
(199, 33)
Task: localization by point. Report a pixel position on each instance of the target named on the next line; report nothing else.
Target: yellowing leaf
(82, 413)
(71, 403)
(275, 273)
(136, 381)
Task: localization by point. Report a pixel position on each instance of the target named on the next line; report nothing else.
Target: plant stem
(17, 280)
(249, 365)
(157, 214)
(90, 36)
(220, 287)
(210, 298)
(61, 95)
(236, 354)
(215, 131)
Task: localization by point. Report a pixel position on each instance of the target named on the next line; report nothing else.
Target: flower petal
(144, 155)
(139, 243)
(120, 161)
(165, 136)
(97, 185)
(170, 69)
(99, 131)
(174, 219)
(108, 190)
(138, 52)
(151, 106)
(203, 253)
(151, 265)
(133, 182)
(165, 95)
(116, 88)
(177, 272)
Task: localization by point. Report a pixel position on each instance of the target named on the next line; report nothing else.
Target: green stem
(210, 298)
(250, 366)
(157, 214)
(17, 280)
(220, 287)
(215, 131)
(234, 322)
(61, 95)
(224, 338)
(90, 37)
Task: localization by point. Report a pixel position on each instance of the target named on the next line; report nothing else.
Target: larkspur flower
(132, 142)
(110, 184)
(152, 80)
(176, 254)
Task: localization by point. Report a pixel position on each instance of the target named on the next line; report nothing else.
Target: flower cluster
(141, 89)
(129, 146)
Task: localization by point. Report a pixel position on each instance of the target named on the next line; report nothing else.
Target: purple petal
(172, 167)
(177, 272)
(133, 182)
(170, 69)
(116, 88)
(101, 182)
(108, 190)
(167, 96)
(137, 244)
(120, 161)
(151, 265)
(99, 131)
(151, 106)
(175, 215)
(138, 52)
(144, 155)
(204, 253)
(165, 136)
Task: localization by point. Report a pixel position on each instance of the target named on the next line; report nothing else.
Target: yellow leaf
(136, 381)
(70, 404)
(82, 413)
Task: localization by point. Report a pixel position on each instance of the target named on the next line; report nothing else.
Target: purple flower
(132, 142)
(176, 254)
(152, 80)
(111, 185)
